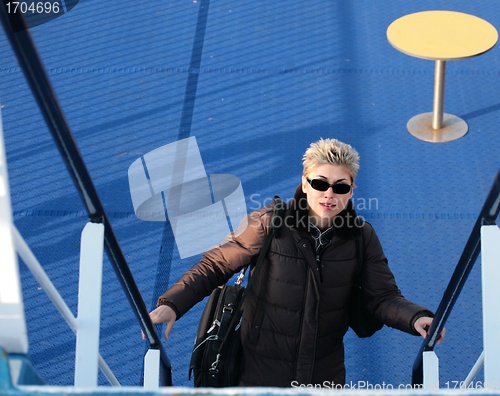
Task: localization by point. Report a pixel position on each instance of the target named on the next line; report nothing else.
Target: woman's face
(325, 205)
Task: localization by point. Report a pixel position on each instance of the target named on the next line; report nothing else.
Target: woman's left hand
(422, 326)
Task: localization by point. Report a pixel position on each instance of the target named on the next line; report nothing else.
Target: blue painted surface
(270, 78)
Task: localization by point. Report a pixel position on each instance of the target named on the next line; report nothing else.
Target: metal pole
(13, 332)
(438, 105)
(89, 306)
(490, 258)
(474, 371)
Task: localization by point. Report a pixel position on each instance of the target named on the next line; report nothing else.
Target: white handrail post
(152, 369)
(490, 255)
(89, 306)
(13, 334)
(44, 281)
(430, 370)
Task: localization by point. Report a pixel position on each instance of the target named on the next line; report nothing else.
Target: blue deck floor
(255, 83)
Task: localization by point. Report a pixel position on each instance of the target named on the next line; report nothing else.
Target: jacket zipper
(318, 260)
(319, 267)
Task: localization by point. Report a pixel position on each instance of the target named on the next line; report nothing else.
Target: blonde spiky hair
(331, 151)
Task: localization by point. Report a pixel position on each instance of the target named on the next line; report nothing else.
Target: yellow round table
(440, 36)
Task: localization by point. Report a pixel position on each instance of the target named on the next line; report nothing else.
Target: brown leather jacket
(295, 332)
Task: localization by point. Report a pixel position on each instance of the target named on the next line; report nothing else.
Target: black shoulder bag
(216, 360)
(360, 319)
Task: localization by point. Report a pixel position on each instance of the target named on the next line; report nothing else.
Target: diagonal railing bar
(20, 39)
(488, 216)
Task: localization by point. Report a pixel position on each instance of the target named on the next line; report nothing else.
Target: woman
(296, 334)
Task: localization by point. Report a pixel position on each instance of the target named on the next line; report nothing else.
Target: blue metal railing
(488, 216)
(20, 39)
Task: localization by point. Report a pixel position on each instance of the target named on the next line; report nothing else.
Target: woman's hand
(423, 324)
(163, 314)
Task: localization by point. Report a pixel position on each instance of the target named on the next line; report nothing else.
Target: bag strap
(279, 209)
(276, 223)
(231, 302)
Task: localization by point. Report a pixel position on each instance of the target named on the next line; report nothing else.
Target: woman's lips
(328, 206)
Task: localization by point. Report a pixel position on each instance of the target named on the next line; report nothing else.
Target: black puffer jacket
(295, 331)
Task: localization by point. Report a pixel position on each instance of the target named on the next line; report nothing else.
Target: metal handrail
(42, 90)
(488, 216)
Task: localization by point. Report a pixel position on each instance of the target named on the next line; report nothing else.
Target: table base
(453, 128)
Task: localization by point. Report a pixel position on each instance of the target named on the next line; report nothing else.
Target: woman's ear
(353, 186)
(304, 184)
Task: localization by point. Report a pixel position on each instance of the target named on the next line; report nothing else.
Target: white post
(13, 335)
(490, 253)
(152, 369)
(89, 306)
(36, 269)
(431, 370)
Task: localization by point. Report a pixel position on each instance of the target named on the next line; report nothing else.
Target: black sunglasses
(322, 185)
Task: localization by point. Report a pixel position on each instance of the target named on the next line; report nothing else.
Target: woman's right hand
(163, 314)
